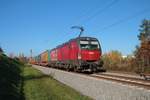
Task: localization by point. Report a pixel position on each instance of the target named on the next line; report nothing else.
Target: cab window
(89, 45)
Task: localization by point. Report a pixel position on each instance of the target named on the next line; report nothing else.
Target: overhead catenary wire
(122, 20)
(125, 19)
(113, 24)
(85, 13)
(99, 11)
(96, 11)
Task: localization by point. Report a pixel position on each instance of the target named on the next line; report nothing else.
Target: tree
(112, 60)
(1, 51)
(115, 61)
(142, 52)
(144, 30)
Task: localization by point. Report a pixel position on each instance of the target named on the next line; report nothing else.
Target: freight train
(81, 54)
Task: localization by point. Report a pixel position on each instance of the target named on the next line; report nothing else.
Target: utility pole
(31, 53)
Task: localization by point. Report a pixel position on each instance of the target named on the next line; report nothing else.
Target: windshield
(89, 45)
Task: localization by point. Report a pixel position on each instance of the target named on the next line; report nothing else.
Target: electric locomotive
(81, 54)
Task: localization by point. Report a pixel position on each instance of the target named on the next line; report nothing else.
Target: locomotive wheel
(75, 69)
(68, 68)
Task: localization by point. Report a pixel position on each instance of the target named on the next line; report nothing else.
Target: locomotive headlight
(79, 56)
(91, 53)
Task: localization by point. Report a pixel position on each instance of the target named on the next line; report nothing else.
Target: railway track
(139, 82)
(124, 80)
(97, 87)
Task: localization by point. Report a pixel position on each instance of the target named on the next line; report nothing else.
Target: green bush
(10, 78)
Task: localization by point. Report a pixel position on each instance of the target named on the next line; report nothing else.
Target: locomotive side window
(89, 45)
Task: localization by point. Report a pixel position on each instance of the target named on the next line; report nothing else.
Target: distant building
(124, 56)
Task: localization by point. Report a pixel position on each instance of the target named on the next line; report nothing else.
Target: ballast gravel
(98, 89)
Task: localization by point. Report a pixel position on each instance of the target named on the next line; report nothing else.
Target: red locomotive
(79, 54)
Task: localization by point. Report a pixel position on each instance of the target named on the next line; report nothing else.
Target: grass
(21, 82)
(38, 86)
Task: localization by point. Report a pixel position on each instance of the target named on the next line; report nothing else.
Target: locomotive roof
(78, 38)
(86, 38)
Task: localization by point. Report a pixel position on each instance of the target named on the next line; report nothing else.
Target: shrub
(115, 61)
(10, 78)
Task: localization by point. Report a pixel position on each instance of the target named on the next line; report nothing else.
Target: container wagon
(44, 58)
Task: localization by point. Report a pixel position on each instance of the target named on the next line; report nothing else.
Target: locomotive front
(89, 54)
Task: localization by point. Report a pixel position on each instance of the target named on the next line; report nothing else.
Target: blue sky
(44, 24)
